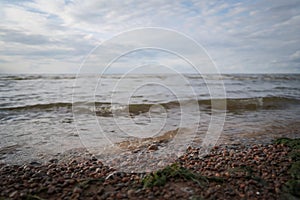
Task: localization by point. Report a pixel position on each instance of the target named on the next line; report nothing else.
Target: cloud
(23, 38)
(240, 36)
(295, 57)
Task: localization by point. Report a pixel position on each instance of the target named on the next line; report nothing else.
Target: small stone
(13, 194)
(167, 196)
(35, 163)
(119, 195)
(22, 194)
(160, 164)
(114, 175)
(51, 190)
(136, 150)
(94, 158)
(100, 191)
(98, 170)
(125, 179)
(153, 147)
(77, 190)
(231, 153)
(54, 160)
(130, 193)
(242, 195)
(75, 196)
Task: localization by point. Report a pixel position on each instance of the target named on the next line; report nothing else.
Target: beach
(235, 172)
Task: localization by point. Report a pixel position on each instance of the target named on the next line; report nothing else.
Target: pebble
(51, 190)
(54, 160)
(77, 190)
(35, 163)
(119, 195)
(130, 193)
(62, 180)
(13, 194)
(231, 153)
(153, 147)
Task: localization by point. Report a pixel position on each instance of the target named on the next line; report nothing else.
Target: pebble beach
(267, 171)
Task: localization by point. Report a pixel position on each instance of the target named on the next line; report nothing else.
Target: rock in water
(153, 147)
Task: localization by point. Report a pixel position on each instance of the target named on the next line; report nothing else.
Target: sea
(43, 116)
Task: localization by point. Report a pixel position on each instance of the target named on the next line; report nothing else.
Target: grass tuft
(293, 143)
(160, 177)
(291, 187)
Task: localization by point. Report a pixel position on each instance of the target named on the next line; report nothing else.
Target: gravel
(233, 172)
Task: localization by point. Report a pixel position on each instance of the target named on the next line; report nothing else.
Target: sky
(55, 36)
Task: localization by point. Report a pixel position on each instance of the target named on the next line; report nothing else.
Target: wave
(229, 104)
(286, 88)
(245, 77)
(241, 77)
(264, 77)
(107, 109)
(256, 103)
(47, 106)
(36, 77)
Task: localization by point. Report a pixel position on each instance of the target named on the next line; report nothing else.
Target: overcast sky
(54, 36)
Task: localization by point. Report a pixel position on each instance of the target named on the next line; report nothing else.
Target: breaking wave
(107, 109)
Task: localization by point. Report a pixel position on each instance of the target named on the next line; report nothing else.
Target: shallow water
(45, 115)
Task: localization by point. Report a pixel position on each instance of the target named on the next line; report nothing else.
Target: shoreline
(235, 172)
(19, 154)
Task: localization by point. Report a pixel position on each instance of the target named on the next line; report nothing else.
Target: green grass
(292, 143)
(295, 170)
(160, 177)
(292, 187)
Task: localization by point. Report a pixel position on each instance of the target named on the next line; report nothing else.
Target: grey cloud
(20, 37)
(295, 57)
